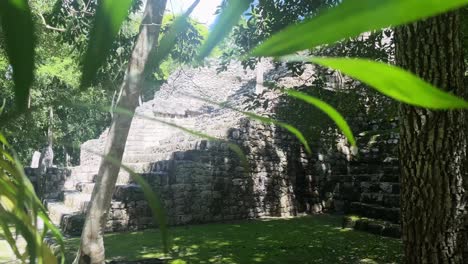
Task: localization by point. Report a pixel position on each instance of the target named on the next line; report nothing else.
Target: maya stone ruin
(201, 181)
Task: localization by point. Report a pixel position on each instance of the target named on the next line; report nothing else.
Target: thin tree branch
(192, 7)
(50, 27)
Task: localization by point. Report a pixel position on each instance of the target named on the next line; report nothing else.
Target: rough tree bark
(92, 245)
(433, 145)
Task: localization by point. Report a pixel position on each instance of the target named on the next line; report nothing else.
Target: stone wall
(206, 181)
(211, 183)
(50, 185)
(369, 191)
(201, 181)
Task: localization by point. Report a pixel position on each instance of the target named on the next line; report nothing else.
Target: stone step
(379, 157)
(385, 146)
(380, 187)
(91, 164)
(372, 138)
(354, 177)
(198, 144)
(374, 226)
(139, 167)
(57, 211)
(391, 214)
(118, 217)
(144, 158)
(80, 173)
(162, 166)
(143, 168)
(128, 193)
(70, 184)
(90, 175)
(69, 214)
(384, 199)
(373, 167)
(159, 178)
(376, 139)
(358, 178)
(163, 151)
(85, 187)
(86, 168)
(375, 162)
(72, 224)
(76, 200)
(382, 124)
(139, 145)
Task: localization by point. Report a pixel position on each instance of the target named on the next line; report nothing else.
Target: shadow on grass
(316, 239)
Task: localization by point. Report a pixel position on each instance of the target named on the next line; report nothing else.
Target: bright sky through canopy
(204, 13)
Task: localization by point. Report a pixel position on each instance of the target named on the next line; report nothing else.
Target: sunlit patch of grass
(368, 261)
(5, 252)
(312, 239)
(354, 217)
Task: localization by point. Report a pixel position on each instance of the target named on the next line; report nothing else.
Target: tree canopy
(62, 33)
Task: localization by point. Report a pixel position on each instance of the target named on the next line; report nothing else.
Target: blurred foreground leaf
(392, 81)
(327, 109)
(228, 18)
(18, 30)
(349, 19)
(110, 15)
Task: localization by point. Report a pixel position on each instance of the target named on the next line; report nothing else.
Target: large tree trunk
(92, 244)
(433, 145)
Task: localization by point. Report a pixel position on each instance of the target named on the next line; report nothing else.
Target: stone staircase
(197, 180)
(150, 143)
(370, 192)
(67, 211)
(202, 181)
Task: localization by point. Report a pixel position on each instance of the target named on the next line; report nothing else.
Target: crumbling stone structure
(201, 180)
(370, 189)
(198, 180)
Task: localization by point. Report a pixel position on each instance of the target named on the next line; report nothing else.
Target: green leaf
(3, 140)
(394, 82)
(21, 207)
(3, 106)
(19, 39)
(9, 238)
(349, 19)
(286, 126)
(55, 232)
(327, 109)
(25, 229)
(109, 17)
(225, 22)
(12, 116)
(167, 42)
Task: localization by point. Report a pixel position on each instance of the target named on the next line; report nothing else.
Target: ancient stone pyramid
(202, 181)
(198, 180)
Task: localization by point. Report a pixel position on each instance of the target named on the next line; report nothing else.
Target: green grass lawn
(312, 239)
